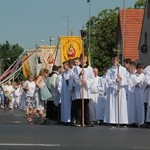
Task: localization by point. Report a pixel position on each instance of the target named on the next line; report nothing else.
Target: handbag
(45, 94)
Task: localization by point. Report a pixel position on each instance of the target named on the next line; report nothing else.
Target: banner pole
(83, 36)
(57, 47)
(82, 88)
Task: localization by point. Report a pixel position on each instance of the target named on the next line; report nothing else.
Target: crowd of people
(121, 96)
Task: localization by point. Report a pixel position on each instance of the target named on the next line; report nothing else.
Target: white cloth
(58, 87)
(146, 94)
(31, 88)
(136, 84)
(131, 102)
(102, 87)
(115, 98)
(88, 77)
(94, 100)
(9, 89)
(17, 96)
(72, 83)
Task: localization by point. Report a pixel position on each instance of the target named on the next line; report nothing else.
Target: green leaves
(103, 35)
(9, 53)
(140, 4)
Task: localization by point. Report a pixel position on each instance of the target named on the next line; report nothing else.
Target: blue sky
(27, 22)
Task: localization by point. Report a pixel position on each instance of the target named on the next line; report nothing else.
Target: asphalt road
(16, 134)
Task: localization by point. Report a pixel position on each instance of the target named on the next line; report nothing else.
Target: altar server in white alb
(85, 78)
(102, 87)
(116, 105)
(94, 96)
(137, 87)
(17, 95)
(72, 88)
(130, 96)
(146, 94)
(65, 95)
(58, 87)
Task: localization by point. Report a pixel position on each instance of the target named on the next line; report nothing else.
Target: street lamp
(50, 40)
(83, 36)
(89, 1)
(67, 23)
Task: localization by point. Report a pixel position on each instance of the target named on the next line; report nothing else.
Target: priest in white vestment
(116, 105)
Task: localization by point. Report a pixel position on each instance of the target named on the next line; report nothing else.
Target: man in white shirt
(8, 90)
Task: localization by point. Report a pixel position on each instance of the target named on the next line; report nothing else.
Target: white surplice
(137, 87)
(94, 100)
(88, 77)
(146, 94)
(102, 87)
(130, 101)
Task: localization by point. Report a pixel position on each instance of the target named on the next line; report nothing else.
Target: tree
(140, 4)
(9, 53)
(103, 36)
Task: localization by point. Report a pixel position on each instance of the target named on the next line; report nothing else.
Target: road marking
(17, 115)
(143, 148)
(16, 122)
(22, 144)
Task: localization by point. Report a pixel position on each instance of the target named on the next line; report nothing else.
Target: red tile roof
(133, 19)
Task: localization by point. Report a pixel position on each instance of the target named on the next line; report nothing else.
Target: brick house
(129, 30)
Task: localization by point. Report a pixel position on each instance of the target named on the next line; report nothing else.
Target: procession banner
(71, 47)
(5, 74)
(26, 67)
(50, 56)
